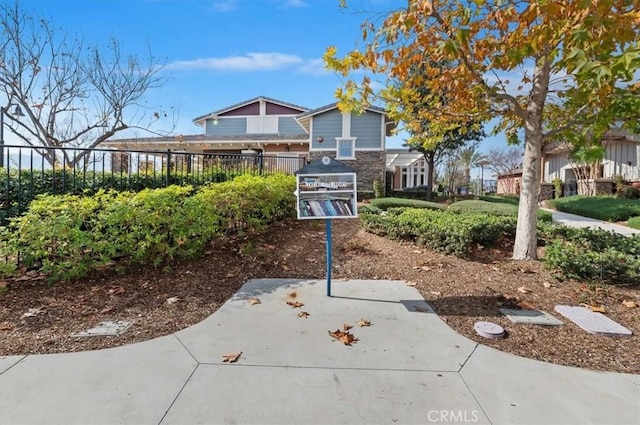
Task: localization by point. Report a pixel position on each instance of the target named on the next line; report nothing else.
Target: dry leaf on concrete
(254, 301)
(346, 326)
(346, 338)
(363, 323)
(303, 314)
(231, 357)
(295, 304)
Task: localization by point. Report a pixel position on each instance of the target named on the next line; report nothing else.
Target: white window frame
(353, 147)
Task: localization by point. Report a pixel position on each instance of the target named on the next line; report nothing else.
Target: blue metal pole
(329, 255)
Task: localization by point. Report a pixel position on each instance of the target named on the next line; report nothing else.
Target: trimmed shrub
(607, 208)
(365, 195)
(68, 236)
(441, 231)
(634, 222)
(628, 192)
(492, 208)
(385, 203)
(591, 254)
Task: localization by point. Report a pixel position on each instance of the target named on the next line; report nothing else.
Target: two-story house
(282, 130)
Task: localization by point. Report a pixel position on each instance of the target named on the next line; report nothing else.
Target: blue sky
(220, 52)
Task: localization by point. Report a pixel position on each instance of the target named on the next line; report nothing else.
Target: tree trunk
(430, 160)
(526, 243)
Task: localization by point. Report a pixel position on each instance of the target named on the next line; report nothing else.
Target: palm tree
(469, 157)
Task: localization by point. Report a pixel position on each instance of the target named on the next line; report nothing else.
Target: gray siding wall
(289, 126)
(621, 159)
(328, 126)
(227, 127)
(367, 128)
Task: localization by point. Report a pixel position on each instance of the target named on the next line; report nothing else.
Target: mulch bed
(462, 291)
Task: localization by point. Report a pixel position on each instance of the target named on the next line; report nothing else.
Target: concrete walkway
(408, 367)
(573, 220)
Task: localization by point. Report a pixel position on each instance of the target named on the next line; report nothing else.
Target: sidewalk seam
(179, 393)
(15, 364)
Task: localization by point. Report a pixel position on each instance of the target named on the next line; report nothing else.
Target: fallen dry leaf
(269, 246)
(417, 251)
(526, 306)
(173, 300)
(32, 312)
(303, 314)
(285, 267)
(5, 327)
(346, 338)
(420, 309)
(295, 304)
(293, 294)
(116, 290)
(362, 323)
(595, 308)
(436, 293)
(254, 301)
(411, 283)
(548, 285)
(346, 326)
(231, 357)
(107, 310)
(426, 268)
(230, 275)
(629, 304)
(524, 290)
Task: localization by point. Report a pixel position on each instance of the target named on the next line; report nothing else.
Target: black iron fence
(30, 171)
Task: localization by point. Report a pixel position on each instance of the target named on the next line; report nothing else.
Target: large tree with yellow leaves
(508, 59)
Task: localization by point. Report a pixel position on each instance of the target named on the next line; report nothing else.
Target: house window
(346, 148)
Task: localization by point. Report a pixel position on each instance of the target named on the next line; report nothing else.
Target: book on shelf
(325, 207)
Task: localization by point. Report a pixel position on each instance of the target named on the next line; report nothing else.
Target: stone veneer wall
(369, 165)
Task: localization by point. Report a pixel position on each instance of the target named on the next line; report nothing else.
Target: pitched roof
(334, 105)
(206, 138)
(248, 102)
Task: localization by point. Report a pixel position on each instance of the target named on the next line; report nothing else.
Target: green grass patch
(386, 203)
(498, 199)
(607, 208)
(496, 208)
(634, 222)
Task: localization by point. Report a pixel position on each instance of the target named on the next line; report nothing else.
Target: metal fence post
(168, 180)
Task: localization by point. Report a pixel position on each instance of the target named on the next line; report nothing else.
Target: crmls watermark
(453, 416)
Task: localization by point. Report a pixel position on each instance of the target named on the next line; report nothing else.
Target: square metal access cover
(107, 328)
(531, 317)
(595, 323)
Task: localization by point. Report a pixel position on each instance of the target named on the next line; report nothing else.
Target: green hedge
(68, 236)
(19, 188)
(441, 231)
(592, 254)
(386, 203)
(607, 208)
(634, 222)
(493, 208)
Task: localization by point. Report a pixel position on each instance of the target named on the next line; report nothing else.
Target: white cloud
(224, 5)
(247, 62)
(286, 4)
(313, 67)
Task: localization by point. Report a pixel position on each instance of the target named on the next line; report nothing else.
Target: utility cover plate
(530, 317)
(595, 323)
(489, 330)
(107, 328)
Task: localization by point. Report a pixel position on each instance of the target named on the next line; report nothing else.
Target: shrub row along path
(579, 221)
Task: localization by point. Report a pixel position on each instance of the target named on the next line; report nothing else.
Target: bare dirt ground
(462, 291)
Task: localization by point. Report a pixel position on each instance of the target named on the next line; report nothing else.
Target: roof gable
(248, 107)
